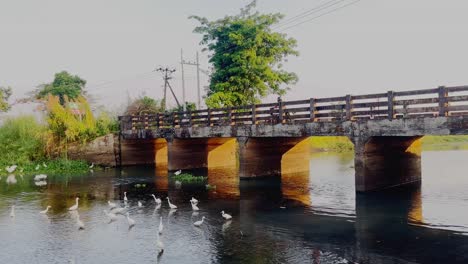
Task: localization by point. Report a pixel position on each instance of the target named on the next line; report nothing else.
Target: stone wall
(101, 151)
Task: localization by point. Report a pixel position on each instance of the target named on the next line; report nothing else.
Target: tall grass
(21, 141)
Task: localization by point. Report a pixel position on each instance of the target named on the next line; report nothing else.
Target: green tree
(144, 105)
(64, 86)
(5, 93)
(247, 57)
(189, 106)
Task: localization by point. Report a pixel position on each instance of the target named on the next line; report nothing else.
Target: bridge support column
(186, 154)
(267, 156)
(143, 152)
(385, 162)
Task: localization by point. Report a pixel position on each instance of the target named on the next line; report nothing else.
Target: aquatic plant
(188, 178)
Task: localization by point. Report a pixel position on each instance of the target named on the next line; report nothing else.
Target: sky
(369, 46)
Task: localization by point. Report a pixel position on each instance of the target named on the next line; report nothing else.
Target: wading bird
(178, 172)
(193, 200)
(111, 205)
(194, 206)
(131, 222)
(156, 200)
(172, 206)
(40, 177)
(11, 168)
(199, 223)
(46, 210)
(125, 197)
(140, 204)
(226, 216)
(74, 207)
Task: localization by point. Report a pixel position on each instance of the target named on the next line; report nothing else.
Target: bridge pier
(186, 154)
(385, 162)
(267, 156)
(143, 152)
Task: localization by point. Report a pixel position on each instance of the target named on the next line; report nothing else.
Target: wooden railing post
(348, 107)
(312, 109)
(390, 102)
(280, 110)
(190, 118)
(209, 117)
(230, 116)
(157, 120)
(254, 115)
(443, 104)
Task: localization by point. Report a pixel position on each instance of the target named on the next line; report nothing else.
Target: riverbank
(57, 166)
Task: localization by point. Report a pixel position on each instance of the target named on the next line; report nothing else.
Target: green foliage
(64, 86)
(144, 105)
(188, 178)
(106, 124)
(20, 141)
(190, 106)
(247, 57)
(5, 93)
(331, 144)
(54, 167)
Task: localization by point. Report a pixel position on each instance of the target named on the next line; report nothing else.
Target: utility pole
(166, 72)
(197, 64)
(183, 78)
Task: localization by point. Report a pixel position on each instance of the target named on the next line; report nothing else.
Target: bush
(21, 141)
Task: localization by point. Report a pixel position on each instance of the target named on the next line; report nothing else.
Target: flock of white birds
(115, 210)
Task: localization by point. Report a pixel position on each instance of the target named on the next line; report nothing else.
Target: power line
(307, 13)
(167, 72)
(323, 14)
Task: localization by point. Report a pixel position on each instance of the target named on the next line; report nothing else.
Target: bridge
(385, 129)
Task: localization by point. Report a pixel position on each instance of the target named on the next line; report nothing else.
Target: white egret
(12, 213)
(140, 204)
(46, 210)
(161, 227)
(194, 206)
(199, 223)
(130, 221)
(156, 200)
(92, 165)
(111, 205)
(38, 167)
(112, 216)
(172, 206)
(11, 168)
(74, 207)
(159, 246)
(193, 200)
(43, 164)
(125, 197)
(178, 172)
(226, 216)
(40, 177)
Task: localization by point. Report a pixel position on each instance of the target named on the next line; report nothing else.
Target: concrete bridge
(385, 129)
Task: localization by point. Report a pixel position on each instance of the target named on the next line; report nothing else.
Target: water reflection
(296, 218)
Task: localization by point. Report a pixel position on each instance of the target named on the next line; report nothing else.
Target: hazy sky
(370, 46)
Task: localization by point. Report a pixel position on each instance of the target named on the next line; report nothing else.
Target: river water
(302, 218)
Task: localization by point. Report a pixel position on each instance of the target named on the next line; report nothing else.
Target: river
(302, 218)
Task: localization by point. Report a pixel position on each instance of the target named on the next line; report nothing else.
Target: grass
(188, 178)
(53, 167)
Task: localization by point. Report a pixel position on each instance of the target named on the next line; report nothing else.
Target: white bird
(46, 210)
(112, 216)
(226, 216)
(140, 204)
(11, 168)
(178, 172)
(194, 206)
(74, 207)
(157, 200)
(40, 183)
(172, 206)
(161, 227)
(40, 177)
(79, 223)
(43, 164)
(199, 223)
(159, 246)
(91, 166)
(193, 200)
(12, 213)
(38, 167)
(130, 221)
(111, 205)
(119, 210)
(125, 197)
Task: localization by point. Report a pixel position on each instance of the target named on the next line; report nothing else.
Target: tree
(247, 57)
(5, 93)
(144, 105)
(64, 86)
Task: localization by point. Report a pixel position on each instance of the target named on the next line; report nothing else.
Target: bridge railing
(441, 101)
